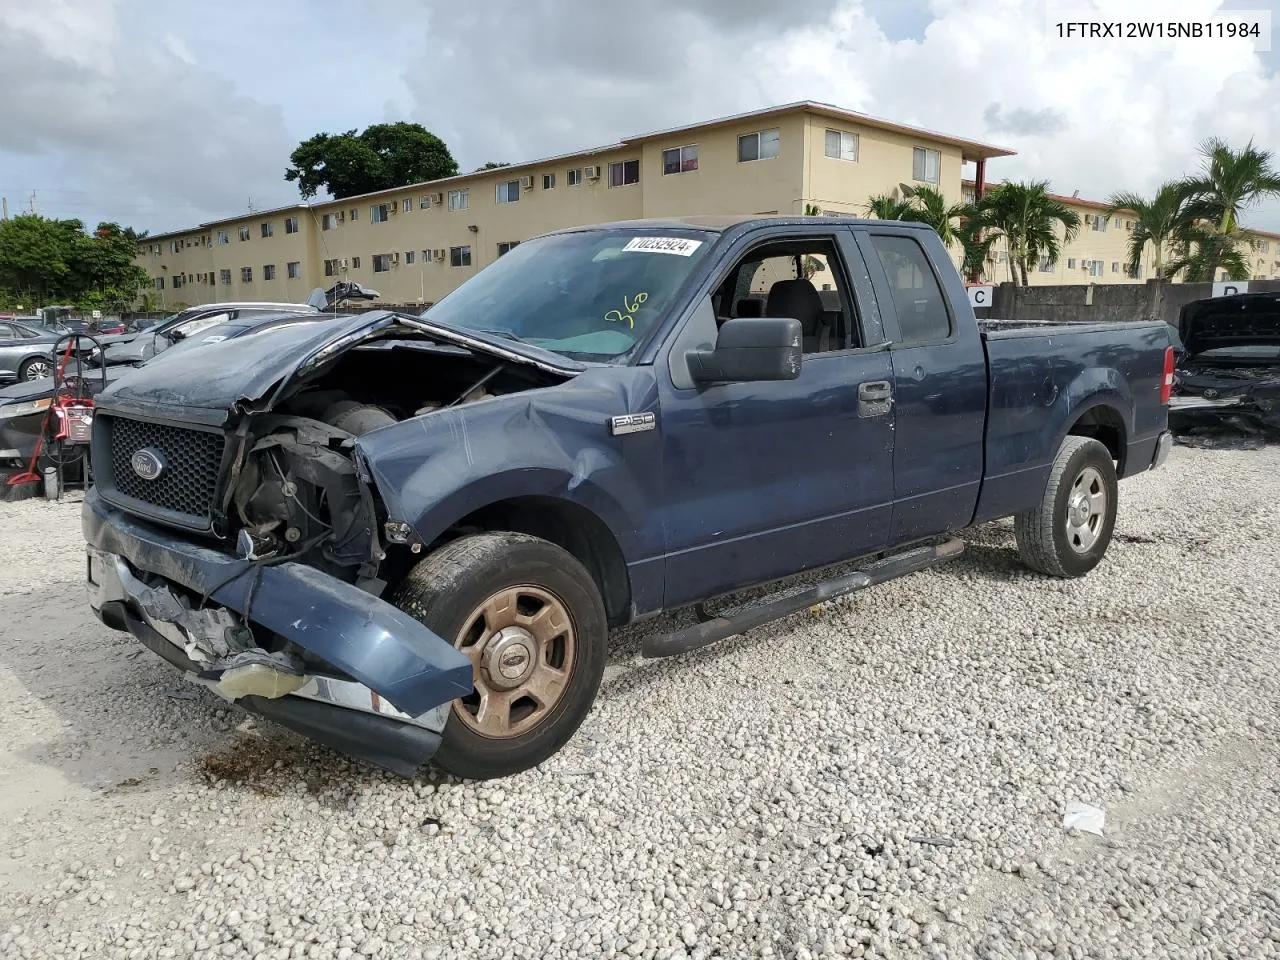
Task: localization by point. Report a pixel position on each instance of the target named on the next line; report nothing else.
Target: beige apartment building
(1099, 253)
(414, 244)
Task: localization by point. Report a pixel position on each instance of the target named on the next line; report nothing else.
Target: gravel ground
(884, 778)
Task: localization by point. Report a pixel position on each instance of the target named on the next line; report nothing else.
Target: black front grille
(188, 481)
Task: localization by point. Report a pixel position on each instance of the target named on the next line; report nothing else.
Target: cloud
(166, 114)
(1022, 120)
(124, 126)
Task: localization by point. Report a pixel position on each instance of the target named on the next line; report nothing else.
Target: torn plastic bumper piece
(403, 677)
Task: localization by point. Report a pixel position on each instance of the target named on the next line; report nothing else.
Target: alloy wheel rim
(38, 370)
(521, 643)
(1086, 510)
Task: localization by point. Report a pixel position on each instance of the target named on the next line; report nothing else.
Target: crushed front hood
(257, 368)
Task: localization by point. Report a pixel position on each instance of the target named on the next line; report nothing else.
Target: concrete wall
(1154, 300)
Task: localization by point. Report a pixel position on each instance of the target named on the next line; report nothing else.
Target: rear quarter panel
(1042, 381)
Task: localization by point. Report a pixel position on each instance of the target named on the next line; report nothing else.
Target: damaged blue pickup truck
(408, 537)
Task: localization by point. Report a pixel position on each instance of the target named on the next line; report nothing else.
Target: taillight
(1166, 382)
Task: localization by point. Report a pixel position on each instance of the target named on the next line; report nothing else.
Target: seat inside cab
(798, 279)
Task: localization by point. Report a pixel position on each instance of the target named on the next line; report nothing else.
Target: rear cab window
(917, 298)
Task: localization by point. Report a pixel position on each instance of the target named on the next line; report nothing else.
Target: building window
(158, 283)
(507, 246)
(509, 191)
(548, 181)
(1046, 265)
(294, 270)
(379, 213)
(1133, 272)
(1095, 268)
(624, 172)
(1100, 224)
(408, 257)
(758, 146)
(1115, 266)
(175, 246)
(224, 277)
(926, 165)
(406, 205)
(329, 221)
(269, 271)
(573, 177)
(1266, 246)
(460, 256)
(222, 238)
(332, 268)
(1071, 263)
(680, 159)
(244, 233)
(246, 274)
(268, 230)
(459, 199)
(290, 224)
(381, 262)
(355, 214)
(841, 145)
(355, 263)
(424, 201)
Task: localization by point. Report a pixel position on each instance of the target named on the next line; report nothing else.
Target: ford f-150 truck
(409, 536)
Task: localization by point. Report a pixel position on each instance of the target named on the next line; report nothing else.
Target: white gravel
(885, 778)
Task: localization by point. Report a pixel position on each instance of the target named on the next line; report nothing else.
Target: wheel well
(1105, 425)
(572, 527)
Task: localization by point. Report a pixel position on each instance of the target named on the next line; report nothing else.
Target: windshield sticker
(628, 311)
(679, 246)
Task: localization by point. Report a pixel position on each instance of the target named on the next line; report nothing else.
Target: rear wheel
(1068, 532)
(529, 618)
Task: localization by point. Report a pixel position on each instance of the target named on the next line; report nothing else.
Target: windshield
(590, 295)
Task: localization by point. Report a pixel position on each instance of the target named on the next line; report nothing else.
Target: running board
(758, 613)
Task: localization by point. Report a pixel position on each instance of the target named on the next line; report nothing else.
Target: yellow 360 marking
(628, 310)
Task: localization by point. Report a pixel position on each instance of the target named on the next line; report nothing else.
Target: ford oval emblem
(148, 463)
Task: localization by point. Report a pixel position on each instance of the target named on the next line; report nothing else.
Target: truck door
(767, 479)
(939, 382)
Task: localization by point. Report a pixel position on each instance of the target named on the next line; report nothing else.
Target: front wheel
(529, 618)
(1067, 533)
(35, 368)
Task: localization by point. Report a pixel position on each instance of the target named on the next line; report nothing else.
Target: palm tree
(1028, 219)
(888, 207)
(1160, 222)
(928, 205)
(812, 210)
(1199, 253)
(976, 242)
(1228, 185)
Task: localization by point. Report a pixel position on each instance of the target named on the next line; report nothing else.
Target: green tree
(1029, 220)
(928, 205)
(490, 166)
(1229, 183)
(35, 254)
(380, 157)
(1159, 221)
(812, 210)
(975, 244)
(44, 260)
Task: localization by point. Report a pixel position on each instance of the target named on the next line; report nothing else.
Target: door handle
(875, 390)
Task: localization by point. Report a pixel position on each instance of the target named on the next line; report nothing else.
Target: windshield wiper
(507, 334)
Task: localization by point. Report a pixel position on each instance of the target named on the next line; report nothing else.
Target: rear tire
(35, 368)
(1068, 532)
(532, 621)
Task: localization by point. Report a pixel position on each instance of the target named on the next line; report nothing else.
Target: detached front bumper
(402, 676)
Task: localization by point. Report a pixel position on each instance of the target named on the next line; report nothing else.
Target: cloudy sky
(162, 113)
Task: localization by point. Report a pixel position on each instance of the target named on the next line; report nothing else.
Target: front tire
(531, 620)
(1068, 532)
(35, 368)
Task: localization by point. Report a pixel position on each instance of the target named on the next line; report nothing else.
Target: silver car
(25, 352)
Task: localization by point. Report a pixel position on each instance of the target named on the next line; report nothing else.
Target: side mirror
(748, 349)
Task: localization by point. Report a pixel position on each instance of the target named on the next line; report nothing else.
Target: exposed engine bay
(297, 492)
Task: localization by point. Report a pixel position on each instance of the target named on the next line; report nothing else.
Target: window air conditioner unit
(393, 209)
(437, 254)
(526, 183)
(342, 215)
(591, 173)
(437, 199)
(395, 258)
(343, 263)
